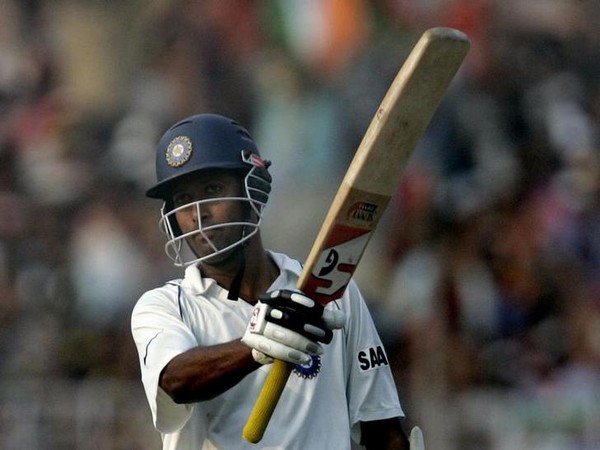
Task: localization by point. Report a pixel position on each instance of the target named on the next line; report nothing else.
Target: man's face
(210, 185)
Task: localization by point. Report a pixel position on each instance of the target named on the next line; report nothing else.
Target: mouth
(207, 240)
(209, 234)
(203, 238)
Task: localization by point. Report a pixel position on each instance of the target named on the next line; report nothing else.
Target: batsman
(243, 320)
(206, 341)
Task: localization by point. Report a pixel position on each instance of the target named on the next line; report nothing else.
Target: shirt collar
(289, 271)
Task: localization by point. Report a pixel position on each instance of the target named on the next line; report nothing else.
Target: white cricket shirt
(322, 403)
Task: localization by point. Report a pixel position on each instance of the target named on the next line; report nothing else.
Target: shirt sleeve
(160, 334)
(372, 392)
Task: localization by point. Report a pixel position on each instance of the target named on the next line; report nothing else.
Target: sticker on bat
(336, 264)
(363, 212)
(331, 261)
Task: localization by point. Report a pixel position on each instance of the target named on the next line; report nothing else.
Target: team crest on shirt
(309, 370)
(179, 151)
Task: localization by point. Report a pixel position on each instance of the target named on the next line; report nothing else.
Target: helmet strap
(236, 283)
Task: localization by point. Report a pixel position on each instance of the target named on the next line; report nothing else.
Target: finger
(334, 318)
(293, 300)
(276, 349)
(303, 300)
(292, 339)
(318, 332)
(315, 331)
(261, 357)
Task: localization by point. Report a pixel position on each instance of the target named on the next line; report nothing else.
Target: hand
(288, 325)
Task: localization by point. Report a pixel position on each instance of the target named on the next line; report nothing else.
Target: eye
(202, 192)
(182, 198)
(213, 189)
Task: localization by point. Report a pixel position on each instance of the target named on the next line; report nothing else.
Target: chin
(224, 258)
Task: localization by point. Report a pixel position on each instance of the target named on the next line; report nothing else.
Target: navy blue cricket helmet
(203, 141)
(197, 143)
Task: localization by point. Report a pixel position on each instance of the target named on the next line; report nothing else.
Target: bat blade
(368, 185)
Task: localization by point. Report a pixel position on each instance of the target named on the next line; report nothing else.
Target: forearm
(203, 373)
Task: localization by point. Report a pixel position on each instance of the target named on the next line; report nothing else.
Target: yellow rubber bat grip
(267, 401)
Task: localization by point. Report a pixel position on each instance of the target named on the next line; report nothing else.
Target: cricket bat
(368, 185)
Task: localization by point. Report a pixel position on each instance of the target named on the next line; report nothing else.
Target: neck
(259, 272)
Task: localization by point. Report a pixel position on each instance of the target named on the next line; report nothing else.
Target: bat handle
(267, 401)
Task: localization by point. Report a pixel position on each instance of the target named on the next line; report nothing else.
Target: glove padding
(288, 325)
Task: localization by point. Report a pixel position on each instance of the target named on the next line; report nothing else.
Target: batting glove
(289, 326)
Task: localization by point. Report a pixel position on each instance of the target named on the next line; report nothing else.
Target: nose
(199, 212)
(189, 214)
(195, 213)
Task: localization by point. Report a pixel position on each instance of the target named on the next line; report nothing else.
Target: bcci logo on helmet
(179, 151)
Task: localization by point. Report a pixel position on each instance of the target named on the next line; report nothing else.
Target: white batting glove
(287, 325)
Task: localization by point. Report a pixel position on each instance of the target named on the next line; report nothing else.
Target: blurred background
(484, 277)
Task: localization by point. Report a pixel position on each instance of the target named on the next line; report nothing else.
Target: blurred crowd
(485, 275)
